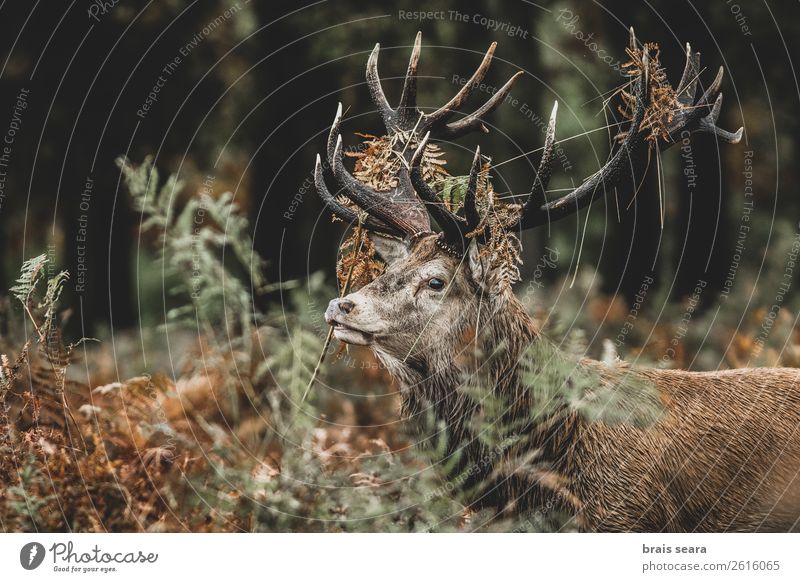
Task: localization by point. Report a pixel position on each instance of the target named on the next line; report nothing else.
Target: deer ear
(390, 249)
(478, 265)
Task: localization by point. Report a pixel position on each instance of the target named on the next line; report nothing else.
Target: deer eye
(436, 284)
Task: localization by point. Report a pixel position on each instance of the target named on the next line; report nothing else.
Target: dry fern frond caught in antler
(376, 164)
(501, 246)
(379, 163)
(663, 97)
(357, 259)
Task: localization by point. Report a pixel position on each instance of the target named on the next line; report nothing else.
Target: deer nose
(338, 308)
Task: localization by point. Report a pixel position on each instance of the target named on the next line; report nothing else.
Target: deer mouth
(351, 335)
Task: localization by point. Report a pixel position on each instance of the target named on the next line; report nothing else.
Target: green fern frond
(28, 278)
(452, 189)
(205, 244)
(55, 286)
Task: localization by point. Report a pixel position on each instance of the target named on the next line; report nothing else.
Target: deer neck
(439, 390)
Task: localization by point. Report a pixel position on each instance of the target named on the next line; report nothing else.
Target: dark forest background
(251, 103)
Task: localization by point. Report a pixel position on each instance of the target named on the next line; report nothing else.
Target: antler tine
(474, 121)
(470, 198)
(447, 110)
(452, 226)
(713, 89)
(333, 134)
(407, 108)
(342, 212)
(376, 89)
(688, 84)
(609, 175)
(708, 124)
(538, 193)
(714, 115)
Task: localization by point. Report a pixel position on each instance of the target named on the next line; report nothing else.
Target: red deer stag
(723, 452)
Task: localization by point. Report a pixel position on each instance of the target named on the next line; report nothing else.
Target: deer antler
(398, 212)
(407, 116)
(689, 117)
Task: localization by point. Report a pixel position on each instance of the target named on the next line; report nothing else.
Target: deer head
(440, 287)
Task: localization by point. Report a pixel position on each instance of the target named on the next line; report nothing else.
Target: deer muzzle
(337, 316)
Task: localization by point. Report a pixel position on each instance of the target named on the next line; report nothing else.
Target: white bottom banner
(389, 557)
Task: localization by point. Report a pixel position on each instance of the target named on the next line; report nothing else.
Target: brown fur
(725, 456)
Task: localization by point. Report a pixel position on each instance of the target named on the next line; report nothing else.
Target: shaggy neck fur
(488, 341)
